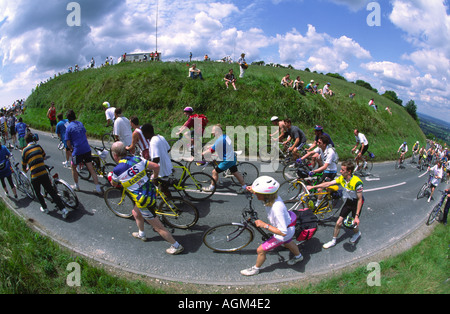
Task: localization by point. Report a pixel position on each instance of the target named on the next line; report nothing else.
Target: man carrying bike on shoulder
(353, 192)
(131, 174)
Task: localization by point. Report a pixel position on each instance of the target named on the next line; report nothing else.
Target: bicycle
(437, 210)
(248, 170)
(399, 162)
(426, 188)
(325, 210)
(291, 189)
(266, 152)
(65, 192)
(191, 184)
(101, 167)
(175, 212)
(234, 236)
(367, 163)
(20, 179)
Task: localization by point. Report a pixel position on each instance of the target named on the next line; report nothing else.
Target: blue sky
(408, 53)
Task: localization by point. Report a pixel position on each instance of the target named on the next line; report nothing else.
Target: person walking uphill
(77, 143)
(281, 223)
(33, 159)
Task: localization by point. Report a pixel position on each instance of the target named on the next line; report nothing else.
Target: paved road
(391, 212)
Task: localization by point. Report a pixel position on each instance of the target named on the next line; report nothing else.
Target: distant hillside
(157, 92)
(440, 129)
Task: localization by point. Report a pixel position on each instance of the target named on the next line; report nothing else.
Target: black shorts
(364, 150)
(52, 122)
(83, 158)
(350, 206)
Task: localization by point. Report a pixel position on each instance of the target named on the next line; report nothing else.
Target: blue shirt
(21, 129)
(224, 148)
(76, 134)
(61, 128)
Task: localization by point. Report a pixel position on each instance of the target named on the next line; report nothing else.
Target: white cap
(274, 118)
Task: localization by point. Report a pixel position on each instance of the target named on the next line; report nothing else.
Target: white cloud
(393, 73)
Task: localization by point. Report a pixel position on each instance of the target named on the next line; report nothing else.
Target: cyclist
(33, 159)
(131, 174)
(281, 133)
(21, 130)
(404, 149)
(353, 192)
(122, 128)
(362, 140)
(51, 115)
(327, 162)
(109, 113)
(318, 130)
(61, 132)
(299, 137)
(78, 145)
(437, 172)
(281, 223)
(159, 150)
(5, 170)
(224, 147)
(416, 148)
(138, 139)
(446, 208)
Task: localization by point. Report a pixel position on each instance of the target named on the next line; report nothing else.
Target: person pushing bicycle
(353, 190)
(281, 223)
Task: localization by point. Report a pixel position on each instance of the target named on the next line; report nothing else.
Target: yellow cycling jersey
(352, 187)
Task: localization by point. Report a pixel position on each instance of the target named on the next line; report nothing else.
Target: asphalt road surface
(391, 212)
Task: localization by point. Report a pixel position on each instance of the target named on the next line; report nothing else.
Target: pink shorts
(273, 243)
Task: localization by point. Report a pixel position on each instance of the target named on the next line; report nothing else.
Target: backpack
(306, 225)
(203, 117)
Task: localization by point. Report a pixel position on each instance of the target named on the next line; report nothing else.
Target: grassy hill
(157, 92)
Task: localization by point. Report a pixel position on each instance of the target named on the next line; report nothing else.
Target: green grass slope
(157, 92)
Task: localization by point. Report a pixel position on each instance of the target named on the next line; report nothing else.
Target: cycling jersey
(131, 173)
(352, 187)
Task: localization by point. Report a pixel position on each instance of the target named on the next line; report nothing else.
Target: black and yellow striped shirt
(33, 156)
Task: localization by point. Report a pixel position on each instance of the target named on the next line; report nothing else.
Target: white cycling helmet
(106, 104)
(265, 185)
(274, 118)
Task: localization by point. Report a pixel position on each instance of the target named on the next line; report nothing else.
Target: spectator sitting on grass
(286, 80)
(230, 78)
(194, 72)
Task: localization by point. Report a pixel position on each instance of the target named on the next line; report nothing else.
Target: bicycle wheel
(434, 214)
(193, 186)
(290, 171)
(290, 190)
(326, 211)
(229, 237)
(195, 166)
(107, 141)
(178, 213)
(83, 172)
(422, 191)
(397, 165)
(26, 185)
(68, 196)
(120, 207)
(369, 165)
(249, 172)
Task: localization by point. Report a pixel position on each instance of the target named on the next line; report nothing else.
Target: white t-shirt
(122, 129)
(109, 113)
(439, 172)
(279, 217)
(329, 157)
(159, 149)
(360, 138)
